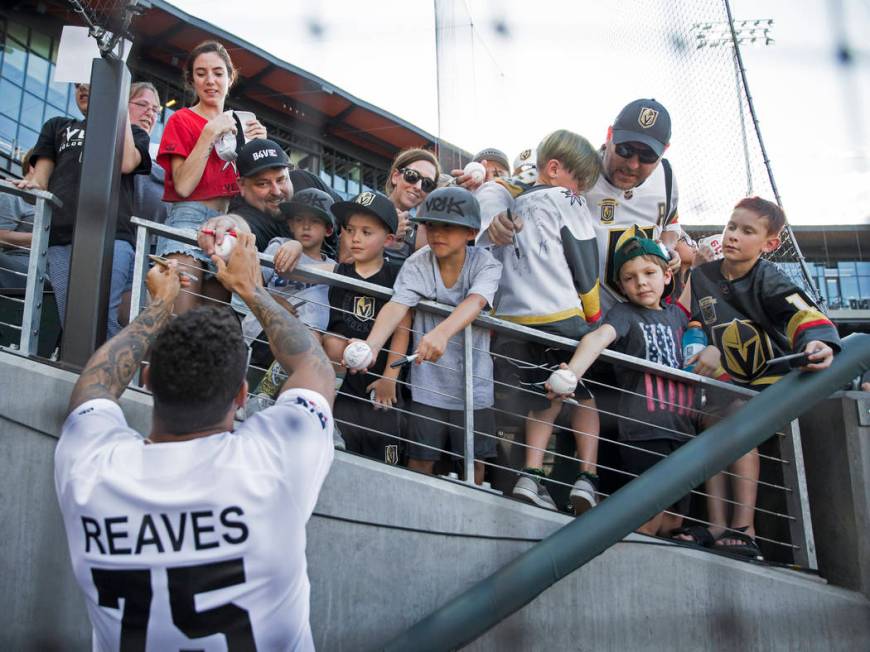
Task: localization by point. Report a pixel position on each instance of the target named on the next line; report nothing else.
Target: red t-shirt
(180, 134)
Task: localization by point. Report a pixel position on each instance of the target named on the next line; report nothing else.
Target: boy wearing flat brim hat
(365, 403)
(658, 411)
(450, 272)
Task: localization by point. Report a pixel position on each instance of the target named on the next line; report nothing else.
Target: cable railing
(782, 507)
(34, 285)
(797, 544)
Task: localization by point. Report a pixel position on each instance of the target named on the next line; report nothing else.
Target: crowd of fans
(569, 239)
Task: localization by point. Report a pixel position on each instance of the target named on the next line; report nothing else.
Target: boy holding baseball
(363, 406)
(450, 272)
(657, 411)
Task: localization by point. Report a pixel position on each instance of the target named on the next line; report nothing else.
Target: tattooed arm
(292, 344)
(113, 365)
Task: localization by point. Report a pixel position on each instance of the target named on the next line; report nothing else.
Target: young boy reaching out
(450, 272)
(658, 410)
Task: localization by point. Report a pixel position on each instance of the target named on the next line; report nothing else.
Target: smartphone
(794, 360)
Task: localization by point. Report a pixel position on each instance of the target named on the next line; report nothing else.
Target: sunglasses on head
(410, 175)
(644, 154)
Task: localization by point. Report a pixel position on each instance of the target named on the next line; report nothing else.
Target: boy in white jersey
(550, 282)
(194, 538)
(636, 187)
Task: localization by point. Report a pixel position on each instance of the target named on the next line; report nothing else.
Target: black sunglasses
(410, 175)
(644, 154)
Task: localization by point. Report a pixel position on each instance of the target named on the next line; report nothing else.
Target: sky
(511, 71)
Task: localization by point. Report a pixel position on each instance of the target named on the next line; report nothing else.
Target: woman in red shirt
(198, 183)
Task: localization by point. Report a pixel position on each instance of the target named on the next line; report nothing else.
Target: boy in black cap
(448, 271)
(659, 411)
(363, 404)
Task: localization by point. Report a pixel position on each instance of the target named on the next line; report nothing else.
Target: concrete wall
(836, 444)
(387, 546)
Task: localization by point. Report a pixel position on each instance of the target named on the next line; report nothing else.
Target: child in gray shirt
(450, 272)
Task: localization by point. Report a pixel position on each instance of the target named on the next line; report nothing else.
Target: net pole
(738, 57)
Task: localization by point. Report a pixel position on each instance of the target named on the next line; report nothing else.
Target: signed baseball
(562, 381)
(476, 171)
(226, 246)
(357, 355)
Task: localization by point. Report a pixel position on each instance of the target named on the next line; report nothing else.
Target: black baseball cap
(260, 154)
(371, 202)
(310, 201)
(643, 121)
(450, 205)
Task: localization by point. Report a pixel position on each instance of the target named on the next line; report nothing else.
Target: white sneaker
(582, 496)
(533, 490)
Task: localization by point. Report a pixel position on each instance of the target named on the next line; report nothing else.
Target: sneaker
(583, 495)
(337, 440)
(532, 490)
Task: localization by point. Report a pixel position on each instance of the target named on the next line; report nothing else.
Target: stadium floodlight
(719, 34)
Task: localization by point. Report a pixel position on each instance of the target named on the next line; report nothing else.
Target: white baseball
(476, 171)
(357, 355)
(226, 246)
(562, 381)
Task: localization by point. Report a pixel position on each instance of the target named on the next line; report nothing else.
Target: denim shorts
(188, 215)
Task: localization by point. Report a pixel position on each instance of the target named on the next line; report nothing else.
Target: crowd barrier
(782, 509)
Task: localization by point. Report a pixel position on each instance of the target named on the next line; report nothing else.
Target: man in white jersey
(194, 537)
(636, 187)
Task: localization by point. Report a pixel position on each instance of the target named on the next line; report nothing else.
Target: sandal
(700, 536)
(748, 546)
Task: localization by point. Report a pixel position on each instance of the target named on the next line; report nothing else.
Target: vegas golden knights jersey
(615, 210)
(756, 318)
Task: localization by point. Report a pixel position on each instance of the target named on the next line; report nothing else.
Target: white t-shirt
(615, 210)
(196, 544)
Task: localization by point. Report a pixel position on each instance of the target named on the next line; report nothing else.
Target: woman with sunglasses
(198, 183)
(413, 175)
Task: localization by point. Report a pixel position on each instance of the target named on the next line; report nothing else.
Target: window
(10, 98)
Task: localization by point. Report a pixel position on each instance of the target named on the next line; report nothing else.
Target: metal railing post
(34, 292)
(797, 500)
(467, 356)
(140, 266)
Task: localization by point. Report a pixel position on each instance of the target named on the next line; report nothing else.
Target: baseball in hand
(476, 171)
(226, 246)
(357, 355)
(562, 381)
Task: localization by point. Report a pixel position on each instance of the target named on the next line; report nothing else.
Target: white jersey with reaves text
(194, 544)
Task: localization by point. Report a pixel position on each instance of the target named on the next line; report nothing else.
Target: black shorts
(366, 430)
(637, 462)
(527, 365)
(434, 433)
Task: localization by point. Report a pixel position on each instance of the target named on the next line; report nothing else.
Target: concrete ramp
(387, 546)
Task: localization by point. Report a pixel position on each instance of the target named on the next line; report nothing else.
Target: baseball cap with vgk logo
(260, 154)
(451, 205)
(646, 122)
(372, 203)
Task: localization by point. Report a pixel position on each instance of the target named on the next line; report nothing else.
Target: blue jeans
(188, 215)
(122, 279)
(12, 261)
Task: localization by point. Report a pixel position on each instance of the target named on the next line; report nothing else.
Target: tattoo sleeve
(290, 340)
(114, 364)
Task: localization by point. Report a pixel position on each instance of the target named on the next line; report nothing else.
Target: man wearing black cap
(637, 186)
(264, 184)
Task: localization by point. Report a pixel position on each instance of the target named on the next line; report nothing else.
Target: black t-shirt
(656, 336)
(353, 313)
(63, 141)
(263, 226)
